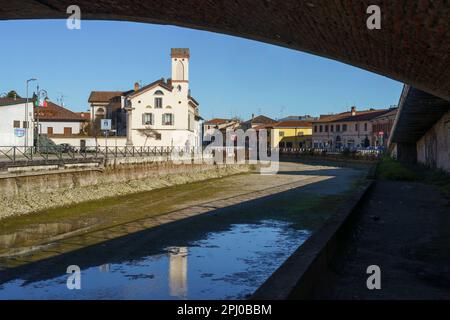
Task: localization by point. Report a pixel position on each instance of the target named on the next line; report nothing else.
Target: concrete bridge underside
(413, 45)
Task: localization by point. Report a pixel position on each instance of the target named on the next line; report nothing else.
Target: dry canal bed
(139, 247)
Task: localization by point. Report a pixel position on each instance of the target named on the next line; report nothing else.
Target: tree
(93, 128)
(148, 132)
(13, 94)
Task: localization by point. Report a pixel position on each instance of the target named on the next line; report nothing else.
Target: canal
(227, 254)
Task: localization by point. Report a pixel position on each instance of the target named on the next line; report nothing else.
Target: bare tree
(148, 132)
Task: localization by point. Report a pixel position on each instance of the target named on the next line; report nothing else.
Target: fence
(68, 154)
(62, 154)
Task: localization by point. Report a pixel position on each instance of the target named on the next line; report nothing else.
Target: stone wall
(433, 149)
(32, 192)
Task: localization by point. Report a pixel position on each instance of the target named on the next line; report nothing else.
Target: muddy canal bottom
(227, 264)
(225, 254)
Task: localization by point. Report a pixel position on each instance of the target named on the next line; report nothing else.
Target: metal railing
(62, 154)
(355, 153)
(65, 154)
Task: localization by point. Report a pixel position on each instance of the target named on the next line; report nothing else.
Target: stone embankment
(27, 192)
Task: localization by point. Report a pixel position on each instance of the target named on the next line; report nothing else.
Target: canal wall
(433, 149)
(33, 191)
(308, 272)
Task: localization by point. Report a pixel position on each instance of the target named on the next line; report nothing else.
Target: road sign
(106, 124)
(19, 132)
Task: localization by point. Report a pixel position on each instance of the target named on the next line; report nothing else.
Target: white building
(162, 113)
(55, 121)
(15, 129)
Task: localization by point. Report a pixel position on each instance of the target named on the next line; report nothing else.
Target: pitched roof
(54, 112)
(11, 101)
(260, 119)
(292, 124)
(216, 121)
(103, 96)
(159, 82)
(84, 115)
(392, 111)
(192, 98)
(364, 115)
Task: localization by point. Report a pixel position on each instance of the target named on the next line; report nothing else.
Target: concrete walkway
(404, 228)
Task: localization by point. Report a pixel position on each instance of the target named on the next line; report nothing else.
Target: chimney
(169, 81)
(353, 111)
(136, 86)
(253, 115)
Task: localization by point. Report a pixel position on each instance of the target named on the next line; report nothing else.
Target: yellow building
(291, 134)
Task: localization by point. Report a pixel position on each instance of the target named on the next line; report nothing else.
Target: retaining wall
(34, 191)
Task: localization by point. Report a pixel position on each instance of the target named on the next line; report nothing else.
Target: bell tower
(180, 69)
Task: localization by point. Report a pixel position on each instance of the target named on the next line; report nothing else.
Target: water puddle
(220, 264)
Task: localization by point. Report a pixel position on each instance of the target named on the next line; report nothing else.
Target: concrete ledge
(306, 274)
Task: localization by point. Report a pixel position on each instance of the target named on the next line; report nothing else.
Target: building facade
(351, 129)
(162, 113)
(55, 120)
(15, 123)
(291, 134)
(381, 128)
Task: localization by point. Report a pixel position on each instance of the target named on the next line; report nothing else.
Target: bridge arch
(412, 45)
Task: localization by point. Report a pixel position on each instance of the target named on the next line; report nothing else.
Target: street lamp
(41, 94)
(26, 114)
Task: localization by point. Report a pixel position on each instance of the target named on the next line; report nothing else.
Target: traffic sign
(106, 124)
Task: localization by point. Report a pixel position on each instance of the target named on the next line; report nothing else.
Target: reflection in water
(226, 264)
(178, 259)
(104, 267)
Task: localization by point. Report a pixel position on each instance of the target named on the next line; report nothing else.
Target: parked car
(66, 148)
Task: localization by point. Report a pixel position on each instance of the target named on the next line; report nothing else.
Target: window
(147, 119)
(365, 126)
(332, 128)
(49, 130)
(167, 119)
(25, 125)
(315, 128)
(344, 127)
(16, 124)
(289, 145)
(281, 144)
(67, 131)
(326, 128)
(281, 133)
(356, 127)
(158, 102)
(159, 92)
(320, 128)
(338, 127)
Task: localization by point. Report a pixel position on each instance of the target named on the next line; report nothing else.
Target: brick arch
(412, 46)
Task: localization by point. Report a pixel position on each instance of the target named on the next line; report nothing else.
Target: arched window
(159, 92)
(179, 71)
(100, 112)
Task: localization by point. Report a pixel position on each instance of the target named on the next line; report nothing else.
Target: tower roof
(179, 53)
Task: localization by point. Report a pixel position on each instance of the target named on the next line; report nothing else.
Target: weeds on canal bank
(391, 169)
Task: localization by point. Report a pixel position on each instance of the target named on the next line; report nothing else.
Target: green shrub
(391, 169)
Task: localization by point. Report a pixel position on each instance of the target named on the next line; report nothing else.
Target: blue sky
(229, 76)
